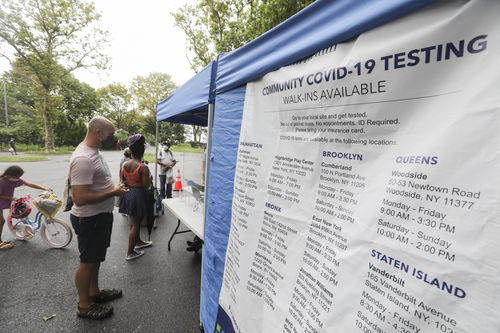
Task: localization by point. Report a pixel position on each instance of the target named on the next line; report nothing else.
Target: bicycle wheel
(20, 229)
(56, 232)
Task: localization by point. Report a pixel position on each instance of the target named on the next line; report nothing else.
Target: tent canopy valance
(189, 103)
(314, 28)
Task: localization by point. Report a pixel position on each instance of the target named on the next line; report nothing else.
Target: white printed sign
(366, 193)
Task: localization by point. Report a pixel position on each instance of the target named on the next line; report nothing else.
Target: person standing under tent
(135, 174)
(127, 156)
(93, 193)
(167, 161)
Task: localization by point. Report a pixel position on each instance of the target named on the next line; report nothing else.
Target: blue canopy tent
(318, 26)
(189, 103)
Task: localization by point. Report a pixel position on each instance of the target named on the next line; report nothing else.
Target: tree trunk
(47, 124)
(194, 133)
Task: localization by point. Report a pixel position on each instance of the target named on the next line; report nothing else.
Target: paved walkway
(161, 289)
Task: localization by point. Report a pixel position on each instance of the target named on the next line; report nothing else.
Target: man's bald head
(98, 130)
(100, 123)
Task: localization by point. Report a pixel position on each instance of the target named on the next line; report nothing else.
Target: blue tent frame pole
(156, 154)
(207, 183)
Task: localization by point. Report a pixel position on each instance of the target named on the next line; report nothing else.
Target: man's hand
(120, 190)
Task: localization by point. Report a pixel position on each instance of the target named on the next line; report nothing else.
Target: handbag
(67, 202)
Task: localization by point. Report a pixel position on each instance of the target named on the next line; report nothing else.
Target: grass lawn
(183, 147)
(43, 152)
(186, 147)
(149, 157)
(22, 158)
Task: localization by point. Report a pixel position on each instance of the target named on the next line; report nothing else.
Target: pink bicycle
(54, 231)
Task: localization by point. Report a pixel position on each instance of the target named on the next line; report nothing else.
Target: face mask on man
(106, 138)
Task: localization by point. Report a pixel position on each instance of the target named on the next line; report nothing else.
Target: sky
(143, 39)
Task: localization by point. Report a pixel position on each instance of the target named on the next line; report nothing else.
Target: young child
(9, 180)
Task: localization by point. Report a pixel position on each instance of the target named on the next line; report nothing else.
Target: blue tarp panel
(323, 23)
(226, 133)
(189, 103)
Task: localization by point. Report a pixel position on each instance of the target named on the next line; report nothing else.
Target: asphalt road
(161, 289)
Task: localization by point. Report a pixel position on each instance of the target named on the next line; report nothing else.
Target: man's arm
(82, 196)
(161, 163)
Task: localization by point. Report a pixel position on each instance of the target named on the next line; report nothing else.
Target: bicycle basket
(47, 203)
(21, 208)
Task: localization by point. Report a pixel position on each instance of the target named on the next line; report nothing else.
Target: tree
(217, 26)
(196, 132)
(52, 38)
(147, 91)
(115, 103)
(20, 92)
(23, 127)
(80, 100)
(172, 132)
(76, 101)
(68, 131)
(270, 13)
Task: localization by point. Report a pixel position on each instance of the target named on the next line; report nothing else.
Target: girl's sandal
(95, 311)
(6, 245)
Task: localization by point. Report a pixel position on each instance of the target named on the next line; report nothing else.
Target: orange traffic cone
(178, 183)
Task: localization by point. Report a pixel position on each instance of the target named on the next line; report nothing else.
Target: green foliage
(22, 127)
(20, 86)
(22, 159)
(185, 147)
(270, 13)
(67, 131)
(147, 91)
(73, 103)
(80, 100)
(133, 108)
(171, 132)
(37, 150)
(115, 103)
(217, 26)
(133, 122)
(52, 38)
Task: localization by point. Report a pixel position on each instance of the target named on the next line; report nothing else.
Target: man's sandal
(95, 311)
(107, 295)
(6, 245)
